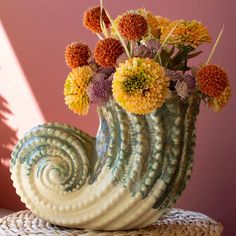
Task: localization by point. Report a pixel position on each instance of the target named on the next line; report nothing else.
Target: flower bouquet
(148, 97)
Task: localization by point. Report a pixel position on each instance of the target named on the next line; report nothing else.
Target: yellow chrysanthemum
(140, 85)
(75, 89)
(156, 23)
(188, 33)
(218, 103)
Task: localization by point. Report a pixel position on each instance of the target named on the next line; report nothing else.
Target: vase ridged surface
(125, 178)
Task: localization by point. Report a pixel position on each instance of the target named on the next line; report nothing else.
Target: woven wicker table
(176, 222)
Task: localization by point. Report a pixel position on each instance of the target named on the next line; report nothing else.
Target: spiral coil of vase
(125, 178)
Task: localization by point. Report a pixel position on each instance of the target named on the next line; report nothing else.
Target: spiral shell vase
(125, 178)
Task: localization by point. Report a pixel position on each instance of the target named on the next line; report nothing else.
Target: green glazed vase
(125, 178)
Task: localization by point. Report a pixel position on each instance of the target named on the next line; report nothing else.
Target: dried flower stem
(215, 45)
(102, 23)
(164, 42)
(119, 35)
(131, 47)
(99, 36)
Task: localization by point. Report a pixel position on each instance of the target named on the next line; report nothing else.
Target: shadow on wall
(7, 141)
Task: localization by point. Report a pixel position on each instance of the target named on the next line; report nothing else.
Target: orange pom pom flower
(91, 19)
(77, 54)
(133, 26)
(107, 51)
(212, 80)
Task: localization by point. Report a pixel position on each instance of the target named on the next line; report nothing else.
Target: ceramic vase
(126, 177)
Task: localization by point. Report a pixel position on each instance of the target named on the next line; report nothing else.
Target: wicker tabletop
(176, 222)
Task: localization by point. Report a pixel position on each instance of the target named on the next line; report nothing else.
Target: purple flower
(182, 89)
(153, 44)
(100, 89)
(106, 70)
(173, 75)
(122, 58)
(146, 50)
(190, 80)
(143, 51)
(93, 64)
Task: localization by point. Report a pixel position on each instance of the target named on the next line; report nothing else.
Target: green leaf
(179, 58)
(171, 52)
(164, 54)
(170, 64)
(192, 55)
(186, 49)
(165, 57)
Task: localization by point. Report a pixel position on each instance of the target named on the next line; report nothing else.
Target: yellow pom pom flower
(140, 85)
(188, 33)
(75, 89)
(218, 103)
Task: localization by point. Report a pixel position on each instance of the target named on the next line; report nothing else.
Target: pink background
(32, 74)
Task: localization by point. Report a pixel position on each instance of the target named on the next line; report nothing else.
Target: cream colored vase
(125, 178)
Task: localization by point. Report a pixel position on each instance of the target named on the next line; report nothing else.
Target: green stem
(164, 42)
(185, 63)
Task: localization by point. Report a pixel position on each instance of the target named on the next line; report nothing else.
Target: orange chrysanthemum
(156, 23)
(92, 19)
(212, 80)
(218, 103)
(77, 54)
(107, 51)
(133, 26)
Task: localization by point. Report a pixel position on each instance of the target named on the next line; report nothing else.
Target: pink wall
(39, 31)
